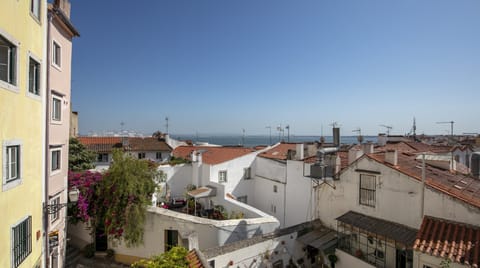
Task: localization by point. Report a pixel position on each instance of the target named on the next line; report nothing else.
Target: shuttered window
(22, 241)
(367, 190)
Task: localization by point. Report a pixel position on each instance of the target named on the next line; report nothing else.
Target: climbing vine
(117, 199)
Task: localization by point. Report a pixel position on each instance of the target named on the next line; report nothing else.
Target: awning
(391, 230)
(204, 191)
(321, 239)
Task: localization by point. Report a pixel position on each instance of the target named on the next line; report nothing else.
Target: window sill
(34, 96)
(9, 86)
(35, 18)
(12, 184)
(56, 67)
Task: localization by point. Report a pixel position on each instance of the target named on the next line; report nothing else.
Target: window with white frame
(158, 156)
(56, 159)
(35, 8)
(222, 176)
(21, 241)
(8, 61)
(102, 158)
(56, 108)
(34, 77)
(56, 54)
(367, 190)
(55, 202)
(141, 155)
(247, 173)
(12, 165)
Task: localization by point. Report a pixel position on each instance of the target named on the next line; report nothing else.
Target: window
(158, 156)
(102, 158)
(8, 60)
(247, 173)
(367, 190)
(56, 108)
(171, 239)
(141, 155)
(275, 188)
(56, 54)
(222, 176)
(55, 202)
(12, 163)
(34, 77)
(35, 8)
(21, 241)
(56, 159)
(273, 208)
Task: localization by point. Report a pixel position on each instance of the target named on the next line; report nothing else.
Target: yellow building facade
(22, 131)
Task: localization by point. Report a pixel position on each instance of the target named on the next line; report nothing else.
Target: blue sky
(223, 66)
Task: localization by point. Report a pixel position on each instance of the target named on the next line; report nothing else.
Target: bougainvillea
(117, 199)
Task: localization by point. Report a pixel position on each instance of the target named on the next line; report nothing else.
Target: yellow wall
(22, 118)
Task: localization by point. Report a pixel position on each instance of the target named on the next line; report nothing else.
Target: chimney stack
(336, 136)
(475, 165)
(354, 154)
(368, 148)
(64, 6)
(391, 157)
(300, 153)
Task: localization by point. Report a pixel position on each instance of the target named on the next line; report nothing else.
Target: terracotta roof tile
(195, 260)
(279, 152)
(107, 144)
(446, 239)
(212, 155)
(457, 185)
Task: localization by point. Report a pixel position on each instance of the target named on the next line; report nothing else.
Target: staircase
(73, 256)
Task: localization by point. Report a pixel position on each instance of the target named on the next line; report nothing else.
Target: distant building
(150, 148)
(74, 124)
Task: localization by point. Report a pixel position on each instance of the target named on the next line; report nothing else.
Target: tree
(174, 258)
(79, 158)
(118, 199)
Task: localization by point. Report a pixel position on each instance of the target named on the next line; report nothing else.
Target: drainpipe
(422, 190)
(47, 139)
(285, 196)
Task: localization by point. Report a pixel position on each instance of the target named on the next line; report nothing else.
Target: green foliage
(445, 263)
(174, 258)
(177, 160)
(123, 196)
(79, 158)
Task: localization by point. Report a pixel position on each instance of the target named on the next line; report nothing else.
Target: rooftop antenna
(359, 137)
(288, 133)
(322, 138)
(166, 125)
(280, 130)
(243, 137)
(414, 128)
(451, 126)
(388, 129)
(270, 133)
(121, 127)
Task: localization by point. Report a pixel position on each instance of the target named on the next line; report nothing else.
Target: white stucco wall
(346, 260)
(201, 232)
(178, 177)
(254, 255)
(300, 199)
(235, 171)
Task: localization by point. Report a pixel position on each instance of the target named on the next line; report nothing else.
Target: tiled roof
(195, 260)
(212, 155)
(445, 239)
(107, 144)
(392, 230)
(101, 144)
(279, 152)
(456, 185)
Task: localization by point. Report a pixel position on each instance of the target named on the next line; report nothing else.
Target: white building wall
(254, 255)
(299, 196)
(200, 232)
(346, 260)
(392, 186)
(178, 177)
(267, 200)
(235, 171)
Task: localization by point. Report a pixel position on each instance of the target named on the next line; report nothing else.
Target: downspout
(47, 138)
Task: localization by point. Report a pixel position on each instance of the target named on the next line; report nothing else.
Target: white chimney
(391, 157)
(354, 154)
(368, 148)
(299, 155)
(382, 139)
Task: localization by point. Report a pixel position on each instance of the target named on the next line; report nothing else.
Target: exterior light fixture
(72, 196)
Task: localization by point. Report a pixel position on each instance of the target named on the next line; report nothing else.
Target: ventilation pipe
(475, 165)
(336, 136)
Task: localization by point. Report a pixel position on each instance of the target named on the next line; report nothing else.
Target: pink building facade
(59, 37)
